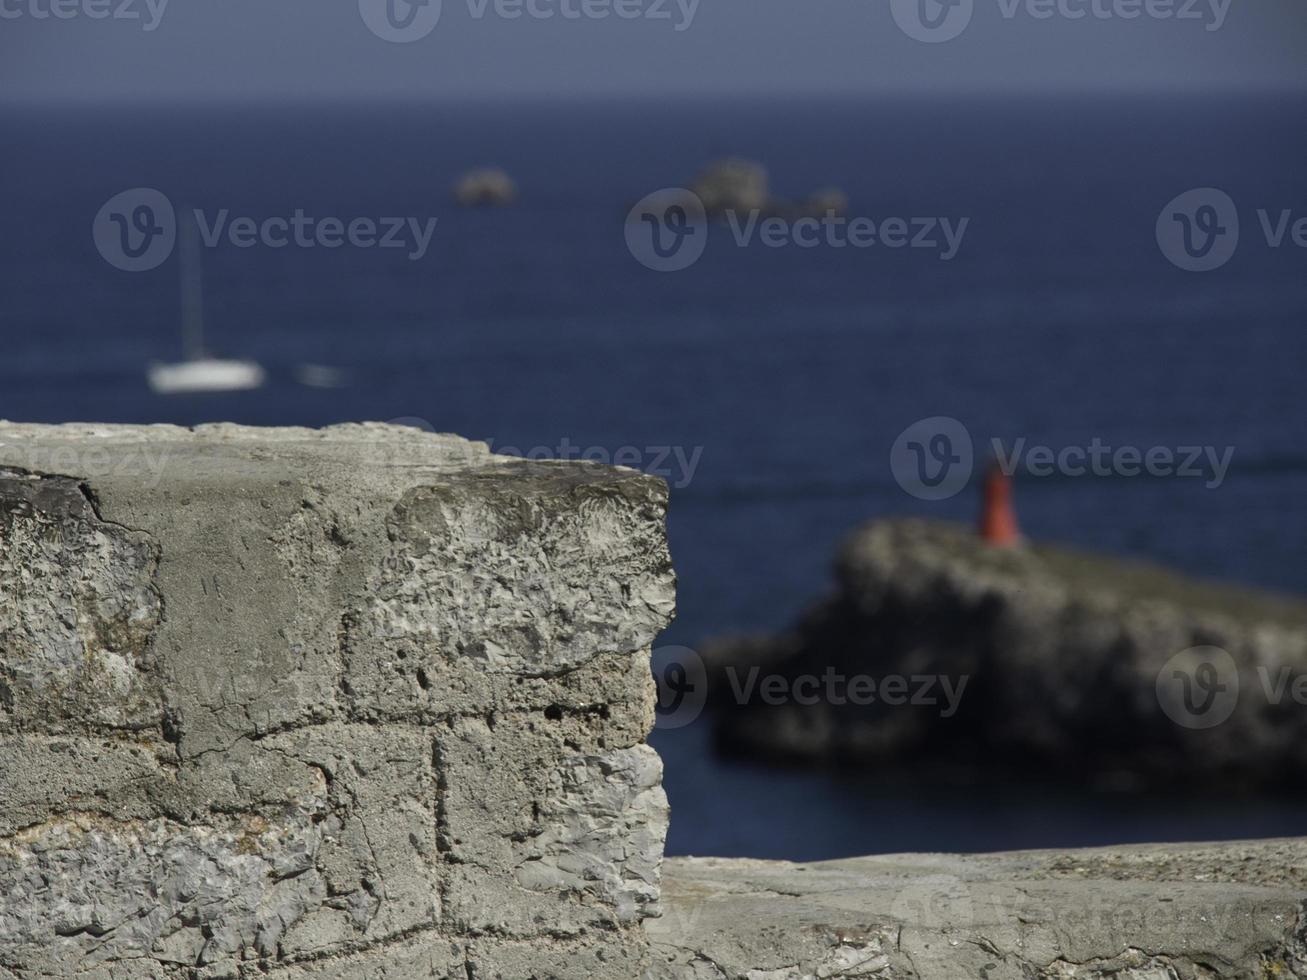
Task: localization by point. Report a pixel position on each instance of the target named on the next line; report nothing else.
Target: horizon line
(153, 100)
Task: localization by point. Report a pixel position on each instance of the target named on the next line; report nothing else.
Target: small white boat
(199, 372)
(205, 374)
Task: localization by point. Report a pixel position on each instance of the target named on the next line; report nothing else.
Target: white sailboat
(199, 372)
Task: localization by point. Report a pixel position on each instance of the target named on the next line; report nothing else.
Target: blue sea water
(784, 374)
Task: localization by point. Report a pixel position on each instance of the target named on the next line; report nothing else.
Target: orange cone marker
(998, 517)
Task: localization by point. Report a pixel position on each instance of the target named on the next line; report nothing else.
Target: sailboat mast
(192, 289)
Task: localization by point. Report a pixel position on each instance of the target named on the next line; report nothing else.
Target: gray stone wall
(355, 702)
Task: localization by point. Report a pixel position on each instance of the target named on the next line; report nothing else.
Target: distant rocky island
(730, 186)
(485, 187)
(742, 186)
(1052, 660)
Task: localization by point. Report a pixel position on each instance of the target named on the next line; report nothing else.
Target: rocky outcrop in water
(937, 648)
(743, 187)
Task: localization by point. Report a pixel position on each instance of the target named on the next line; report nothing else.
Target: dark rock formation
(1040, 657)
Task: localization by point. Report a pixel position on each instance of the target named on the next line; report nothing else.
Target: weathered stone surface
(1065, 657)
(41, 775)
(599, 831)
(82, 892)
(522, 820)
(1174, 912)
(325, 702)
(77, 613)
(424, 958)
(491, 579)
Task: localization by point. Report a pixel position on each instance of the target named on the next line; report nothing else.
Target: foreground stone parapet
(363, 701)
(1175, 912)
(370, 704)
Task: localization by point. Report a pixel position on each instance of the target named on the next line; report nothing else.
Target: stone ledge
(1160, 912)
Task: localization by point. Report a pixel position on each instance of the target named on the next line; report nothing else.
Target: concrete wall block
(87, 891)
(507, 578)
(544, 841)
(318, 704)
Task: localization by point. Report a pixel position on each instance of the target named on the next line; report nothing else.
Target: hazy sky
(290, 49)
